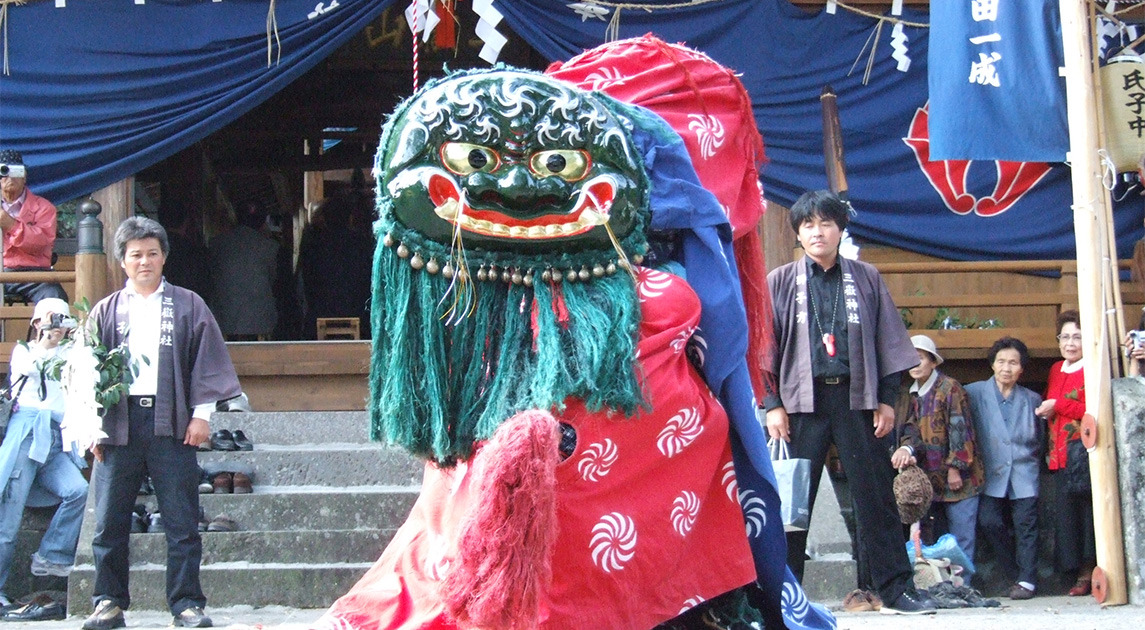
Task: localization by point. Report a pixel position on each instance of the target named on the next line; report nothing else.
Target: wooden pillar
(1090, 229)
(118, 201)
(778, 238)
(91, 262)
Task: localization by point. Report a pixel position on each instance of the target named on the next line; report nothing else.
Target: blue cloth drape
(785, 56)
(101, 90)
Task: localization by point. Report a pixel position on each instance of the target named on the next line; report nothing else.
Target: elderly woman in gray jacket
(1009, 438)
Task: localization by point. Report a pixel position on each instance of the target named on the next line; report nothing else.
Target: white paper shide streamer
(82, 425)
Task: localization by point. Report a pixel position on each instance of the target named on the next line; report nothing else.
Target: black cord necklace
(828, 338)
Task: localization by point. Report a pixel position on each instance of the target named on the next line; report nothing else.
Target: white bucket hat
(49, 305)
(922, 342)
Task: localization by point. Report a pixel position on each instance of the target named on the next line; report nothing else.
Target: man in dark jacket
(841, 349)
(184, 369)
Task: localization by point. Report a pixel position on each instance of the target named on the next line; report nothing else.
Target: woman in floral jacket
(1063, 407)
(939, 434)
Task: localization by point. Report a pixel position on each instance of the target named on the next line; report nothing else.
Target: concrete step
(262, 547)
(322, 465)
(311, 508)
(231, 584)
(829, 578)
(296, 427)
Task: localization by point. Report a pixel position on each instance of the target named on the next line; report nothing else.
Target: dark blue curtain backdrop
(101, 90)
(785, 56)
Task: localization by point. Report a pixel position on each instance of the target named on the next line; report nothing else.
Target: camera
(58, 321)
(1137, 338)
(12, 170)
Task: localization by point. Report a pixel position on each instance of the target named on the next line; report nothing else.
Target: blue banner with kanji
(995, 88)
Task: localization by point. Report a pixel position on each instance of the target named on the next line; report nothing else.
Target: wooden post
(91, 262)
(118, 202)
(1090, 228)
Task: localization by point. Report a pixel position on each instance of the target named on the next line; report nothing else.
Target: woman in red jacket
(1063, 406)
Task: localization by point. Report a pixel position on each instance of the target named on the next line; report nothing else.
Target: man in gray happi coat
(841, 348)
(157, 429)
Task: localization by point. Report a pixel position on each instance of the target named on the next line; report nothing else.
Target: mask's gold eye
(568, 164)
(464, 158)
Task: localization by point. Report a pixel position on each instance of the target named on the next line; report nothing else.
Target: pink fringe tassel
(504, 562)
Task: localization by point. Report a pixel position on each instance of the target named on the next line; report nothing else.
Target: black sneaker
(107, 615)
(909, 603)
(205, 485)
(192, 617)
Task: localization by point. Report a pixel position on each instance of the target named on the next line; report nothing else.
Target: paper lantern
(1123, 96)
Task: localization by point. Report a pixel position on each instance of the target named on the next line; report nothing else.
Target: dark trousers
(1010, 526)
(175, 474)
(34, 291)
(1075, 546)
(870, 478)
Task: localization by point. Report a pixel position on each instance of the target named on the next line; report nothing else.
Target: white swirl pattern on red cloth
(597, 460)
(709, 133)
(680, 342)
(728, 481)
(685, 509)
(436, 564)
(613, 541)
(681, 430)
(604, 78)
(651, 283)
(691, 603)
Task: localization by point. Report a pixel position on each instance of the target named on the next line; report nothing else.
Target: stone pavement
(1040, 613)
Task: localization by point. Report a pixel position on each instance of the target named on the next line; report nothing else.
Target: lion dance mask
(536, 349)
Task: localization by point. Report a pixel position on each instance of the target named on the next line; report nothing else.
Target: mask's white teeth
(448, 210)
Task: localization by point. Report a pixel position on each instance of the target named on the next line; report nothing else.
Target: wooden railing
(1037, 290)
(14, 319)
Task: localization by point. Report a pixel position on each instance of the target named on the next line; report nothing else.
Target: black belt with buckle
(142, 401)
(833, 380)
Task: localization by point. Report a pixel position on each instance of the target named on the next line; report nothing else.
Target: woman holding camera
(1063, 406)
(34, 467)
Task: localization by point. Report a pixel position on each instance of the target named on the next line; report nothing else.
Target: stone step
(296, 427)
(231, 584)
(310, 508)
(262, 547)
(322, 465)
(829, 578)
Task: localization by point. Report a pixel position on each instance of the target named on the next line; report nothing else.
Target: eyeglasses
(1076, 338)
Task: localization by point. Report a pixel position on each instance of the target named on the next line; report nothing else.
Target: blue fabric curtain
(101, 90)
(995, 90)
(959, 210)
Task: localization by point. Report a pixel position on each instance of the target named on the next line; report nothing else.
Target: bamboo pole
(1115, 317)
(1090, 233)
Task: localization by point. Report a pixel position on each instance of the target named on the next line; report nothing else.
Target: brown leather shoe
(856, 601)
(223, 482)
(242, 483)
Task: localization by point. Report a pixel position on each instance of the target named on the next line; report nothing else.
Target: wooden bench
(13, 328)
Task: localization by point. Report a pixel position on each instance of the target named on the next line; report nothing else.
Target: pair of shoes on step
(108, 615)
(227, 440)
(222, 523)
(39, 608)
(224, 482)
(143, 522)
